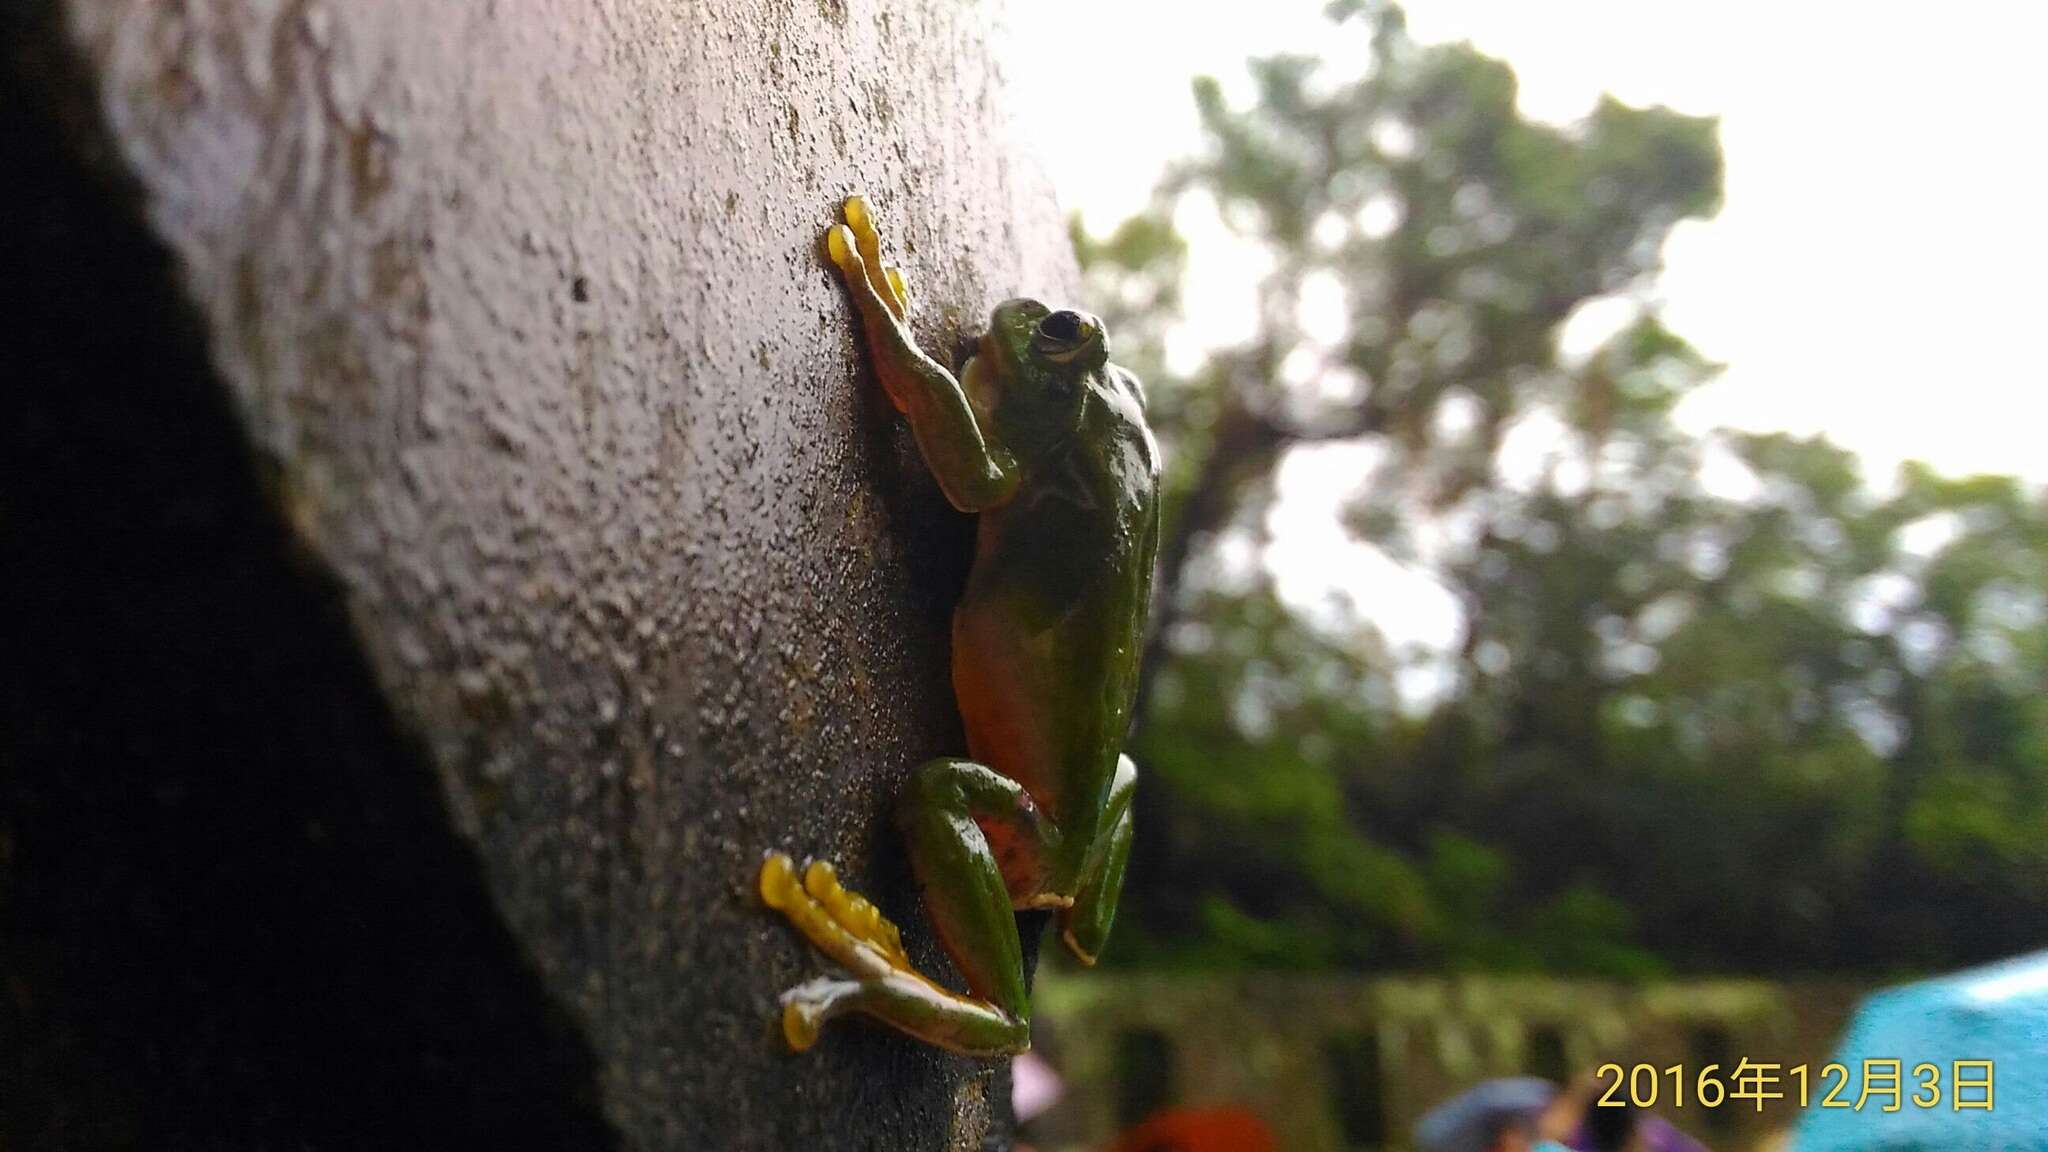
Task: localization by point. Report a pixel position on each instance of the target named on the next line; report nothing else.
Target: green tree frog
(1046, 440)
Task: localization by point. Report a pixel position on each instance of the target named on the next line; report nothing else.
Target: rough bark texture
(449, 537)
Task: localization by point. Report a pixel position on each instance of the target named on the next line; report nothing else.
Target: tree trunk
(451, 536)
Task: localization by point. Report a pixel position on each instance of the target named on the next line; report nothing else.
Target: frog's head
(1033, 369)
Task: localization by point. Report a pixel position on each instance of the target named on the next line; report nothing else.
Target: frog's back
(1047, 638)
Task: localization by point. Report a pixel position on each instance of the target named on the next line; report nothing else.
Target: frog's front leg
(973, 470)
(942, 811)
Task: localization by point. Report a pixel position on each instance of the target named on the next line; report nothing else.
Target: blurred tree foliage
(1718, 704)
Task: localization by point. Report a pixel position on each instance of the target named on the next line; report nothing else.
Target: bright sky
(1876, 272)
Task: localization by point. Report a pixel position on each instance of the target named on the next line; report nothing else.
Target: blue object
(1466, 1122)
(1997, 1013)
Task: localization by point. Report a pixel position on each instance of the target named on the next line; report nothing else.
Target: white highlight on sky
(1876, 273)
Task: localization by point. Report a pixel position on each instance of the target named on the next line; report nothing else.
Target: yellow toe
(799, 1028)
(857, 213)
(778, 880)
(821, 880)
(839, 242)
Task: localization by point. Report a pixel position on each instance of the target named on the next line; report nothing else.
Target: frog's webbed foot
(842, 924)
(858, 234)
(851, 931)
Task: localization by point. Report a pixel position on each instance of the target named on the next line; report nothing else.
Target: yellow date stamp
(1883, 1085)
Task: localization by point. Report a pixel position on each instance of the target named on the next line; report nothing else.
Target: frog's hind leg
(1084, 928)
(941, 811)
(854, 933)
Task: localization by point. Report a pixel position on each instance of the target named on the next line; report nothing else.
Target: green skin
(1045, 440)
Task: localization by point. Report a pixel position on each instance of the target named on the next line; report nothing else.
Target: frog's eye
(1064, 336)
(1063, 328)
